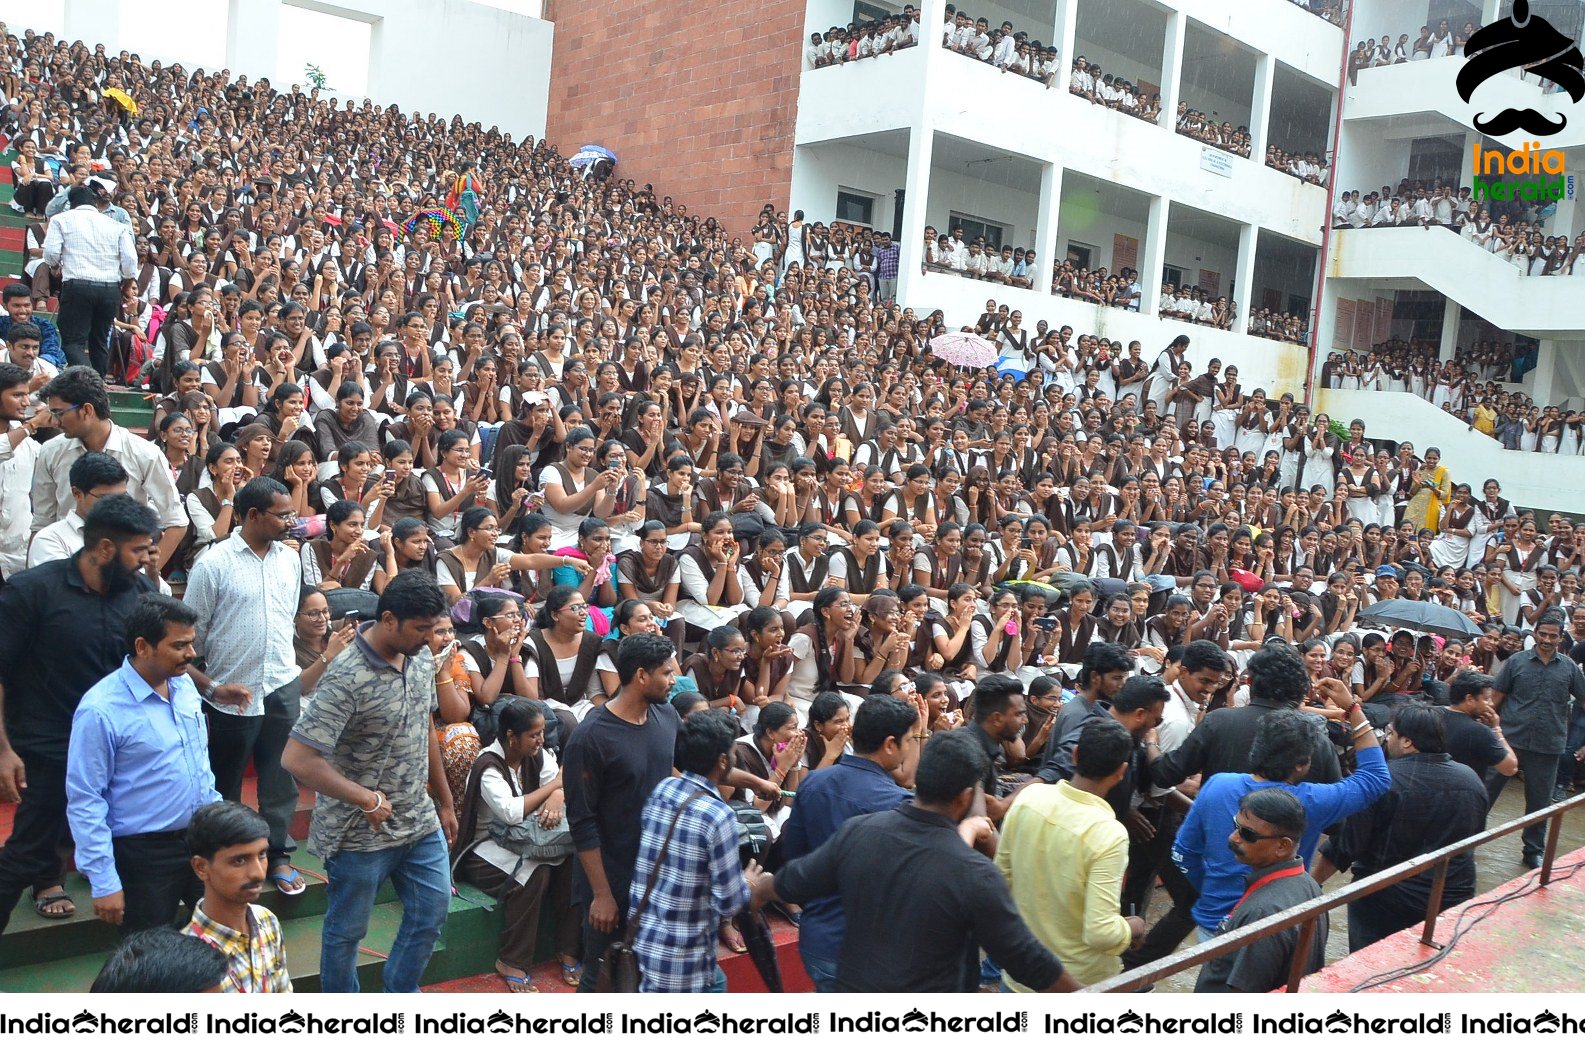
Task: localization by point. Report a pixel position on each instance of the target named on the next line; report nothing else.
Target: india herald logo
(1531, 43)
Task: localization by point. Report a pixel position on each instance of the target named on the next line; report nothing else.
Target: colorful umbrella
(437, 219)
(122, 99)
(964, 349)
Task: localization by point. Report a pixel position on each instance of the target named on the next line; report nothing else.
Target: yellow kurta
(1424, 510)
(1063, 853)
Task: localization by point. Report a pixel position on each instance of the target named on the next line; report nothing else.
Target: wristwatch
(225, 503)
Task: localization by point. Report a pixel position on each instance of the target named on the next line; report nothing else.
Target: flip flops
(285, 881)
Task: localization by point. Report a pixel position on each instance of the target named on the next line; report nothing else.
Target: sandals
(733, 940)
(518, 985)
(289, 882)
(571, 974)
(43, 902)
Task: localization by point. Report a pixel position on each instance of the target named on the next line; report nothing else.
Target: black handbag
(619, 963)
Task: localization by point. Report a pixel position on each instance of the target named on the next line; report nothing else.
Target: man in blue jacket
(18, 301)
(1282, 753)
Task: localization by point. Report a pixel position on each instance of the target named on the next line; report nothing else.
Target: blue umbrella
(586, 156)
(591, 148)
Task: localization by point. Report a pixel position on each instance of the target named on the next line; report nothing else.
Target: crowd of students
(532, 513)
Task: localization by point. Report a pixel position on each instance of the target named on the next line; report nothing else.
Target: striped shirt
(246, 608)
(89, 246)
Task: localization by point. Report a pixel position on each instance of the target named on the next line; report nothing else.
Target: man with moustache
(1266, 834)
(137, 769)
(230, 847)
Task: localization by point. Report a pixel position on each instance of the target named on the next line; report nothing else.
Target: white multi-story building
(928, 137)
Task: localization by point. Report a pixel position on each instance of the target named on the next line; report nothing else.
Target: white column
(921, 143)
(1244, 278)
(96, 21)
(1543, 378)
(1172, 69)
(1450, 316)
(1260, 108)
(1489, 10)
(1045, 240)
(1065, 34)
(1154, 255)
(253, 33)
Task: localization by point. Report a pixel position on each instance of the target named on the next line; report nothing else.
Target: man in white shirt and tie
(96, 257)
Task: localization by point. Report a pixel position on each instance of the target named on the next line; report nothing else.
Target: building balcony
(1275, 366)
(976, 102)
(1429, 88)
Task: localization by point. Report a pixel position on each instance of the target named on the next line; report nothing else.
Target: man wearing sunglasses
(1281, 756)
(1266, 834)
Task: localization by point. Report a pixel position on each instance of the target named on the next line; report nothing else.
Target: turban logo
(1521, 42)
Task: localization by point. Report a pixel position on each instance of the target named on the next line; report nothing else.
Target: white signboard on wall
(1216, 161)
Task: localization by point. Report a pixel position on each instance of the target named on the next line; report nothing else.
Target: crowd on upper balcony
(1514, 231)
(1438, 41)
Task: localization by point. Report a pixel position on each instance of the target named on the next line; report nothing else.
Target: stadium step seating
(131, 408)
(64, 955)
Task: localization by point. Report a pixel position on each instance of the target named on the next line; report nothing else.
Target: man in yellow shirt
(1063, 853)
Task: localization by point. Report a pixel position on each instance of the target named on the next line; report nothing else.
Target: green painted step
(468, 946)
(10, 219)
(130, 408)
(36, 939)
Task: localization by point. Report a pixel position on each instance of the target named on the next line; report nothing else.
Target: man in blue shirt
(18, 301)
(886, 739)
(137, 769)
(1281, 756)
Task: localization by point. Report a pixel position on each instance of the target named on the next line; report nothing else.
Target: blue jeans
(422, 878)
(823, 972)
(719, 984)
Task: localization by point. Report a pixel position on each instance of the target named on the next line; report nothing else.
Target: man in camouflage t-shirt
(366, 747)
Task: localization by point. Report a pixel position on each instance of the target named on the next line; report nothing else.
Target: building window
(993, 232)
(1172, 275)
(867, 12)
(857, 208)
(1080, 254)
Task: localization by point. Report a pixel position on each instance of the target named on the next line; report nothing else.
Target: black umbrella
(1426, 617)
(756, 937)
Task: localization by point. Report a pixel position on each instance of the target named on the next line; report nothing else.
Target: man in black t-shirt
(1474, 735)
(612, 762)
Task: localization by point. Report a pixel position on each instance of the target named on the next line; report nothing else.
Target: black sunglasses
(1249, 834)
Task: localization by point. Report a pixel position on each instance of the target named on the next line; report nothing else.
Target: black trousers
(1540, 778)
(235, 739)
(1145, 862)
(156, 880)
(31, 857)
(34, 196)
(87, 316)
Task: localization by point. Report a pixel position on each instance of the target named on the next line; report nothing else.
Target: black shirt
(1263, 965)
(1536, 695)
(609, 768)
(1221, 744)
(1472, 742)
(1433, 802)
(919, 904)
(991, 783)
(57, 638)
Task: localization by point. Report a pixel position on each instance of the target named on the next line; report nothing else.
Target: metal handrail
(1307, 915)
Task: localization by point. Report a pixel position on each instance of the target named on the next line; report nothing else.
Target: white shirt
(148, 478)
(246, 606)
(89, 246)
(17, 466)
(60, 540)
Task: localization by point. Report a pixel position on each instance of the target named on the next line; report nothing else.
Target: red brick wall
(688, 95)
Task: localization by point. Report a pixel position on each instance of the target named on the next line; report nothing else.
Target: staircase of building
(1436, 257)
(1540, 480)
